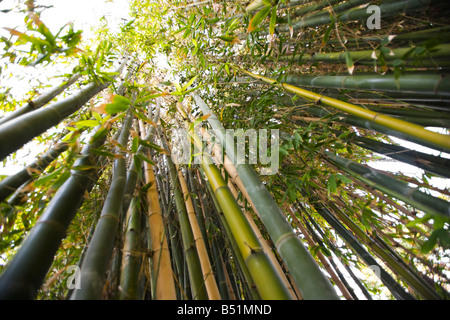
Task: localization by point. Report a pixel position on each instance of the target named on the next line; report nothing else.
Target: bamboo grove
(108, 211)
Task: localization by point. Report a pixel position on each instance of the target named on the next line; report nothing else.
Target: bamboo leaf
(273, 20)
(47, 178)
(150, 97)
(327, 33)
(349, 62)
(187, 85)
(331, 184)
(229, 39)
(135, 144)
(87, 123)
(258, 18)
(107, 154)
(144, 158)
(119, 104)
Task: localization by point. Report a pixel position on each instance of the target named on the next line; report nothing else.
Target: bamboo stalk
(372, 56)
(172, 233)
(208, 275)
(26, 271)
(192, 259)
(433, 164)
(162, 265)
(410, 277)
(30, 125)
(304, 270)
(42, 100)
(270, 285)
(412, 83)
(9, 184)
(326, 264)
(235, 177)
(98, 255)
(368, 124)
(387, 9)
(267, 250)
(132, 273)
(237, 255)
(392, 187)
(385, 277)
(440, 141)
(333, 248)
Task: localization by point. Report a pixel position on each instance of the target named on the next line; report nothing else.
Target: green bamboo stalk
(172, 232)
(416, 36)
(387, 9)
(301, 265)
(440, 141)
(432, 164)
(10, 184)
(42, 100)
(372, 56)
(414, 280)
(214, 219)
(422, 83)
(133, 171)
(98, 255)
(255, 5)
(132, 258)
(385, 277)
(327, 263)
(198, 207)
(25, 273)
(192, 260)
(205, 263)
(28, 126)
(162, 267)
(393, 187)
(330, 245)
(319, 241)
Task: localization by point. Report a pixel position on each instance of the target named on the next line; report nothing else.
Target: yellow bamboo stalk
(162, 266)
(220, 260)
(208, 276)
(210, 282)
(399, 125)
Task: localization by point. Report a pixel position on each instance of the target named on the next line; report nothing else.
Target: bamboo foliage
(32, 124)
(139, 225)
